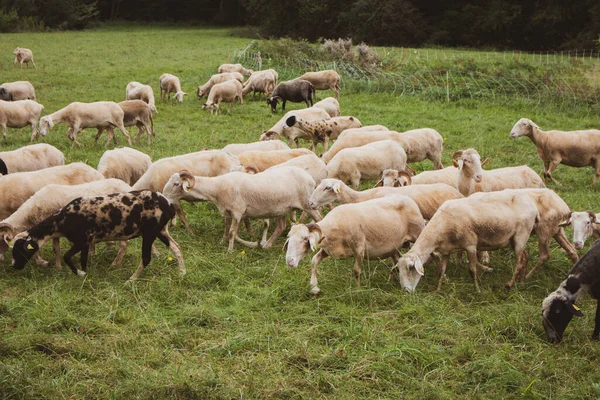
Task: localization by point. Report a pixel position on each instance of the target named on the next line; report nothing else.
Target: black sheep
(296, 91)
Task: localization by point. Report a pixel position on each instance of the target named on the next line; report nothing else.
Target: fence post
(447, 86)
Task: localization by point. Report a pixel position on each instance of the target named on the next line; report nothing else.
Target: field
(243, 325)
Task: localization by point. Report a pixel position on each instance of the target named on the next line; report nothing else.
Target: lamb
(472, 178)
(205, 163)
(391, 177)
(270, 194)
(310, 163)
(351, 165)
(270, 145)
(234, 68)
(559, 307)
(49, 200)
(331, 105)
(78, 116)
(585, 224)
(126, 164)
(20, 90)
(139, 91)
(374, 229)
(323, 130)
(262, 82)
(483, 221)
(261, 160)
(31, 158)
(292, 134)
(227, 91)
(171, 84)
(89, 220)
(17, 114)
(428, 197)
(23, 55)
(295, 91)
(324, 80)
(204, 90)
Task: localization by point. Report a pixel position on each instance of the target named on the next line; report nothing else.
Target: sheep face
(298, 245)
(557, 311)
(272, 101)
(410, 269)
(5, 95)
(45, 125)
(327, 192)
(523, 127)
(469, 163)
(199, 92)
(22, 252)
(178, 185)
(269, 135)
(179, 96)
(582, 224)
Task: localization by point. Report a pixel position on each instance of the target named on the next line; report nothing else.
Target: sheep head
(179, 96)
(22, 252)
(410, 269)
(582, 224)
(5, 95)
(301, 239)
(272, 101)
(558, 310)
(327, 192)
(46, 124)
(469, 163)
(523, 127)
(178, 185)
(269, 135)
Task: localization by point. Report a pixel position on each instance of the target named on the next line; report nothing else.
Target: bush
(11, 22)
(366, 56)
(340, 49)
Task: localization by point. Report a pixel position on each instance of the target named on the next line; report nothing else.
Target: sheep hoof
(81, 273)
(264, 244)
(315, 291)
(43, 263)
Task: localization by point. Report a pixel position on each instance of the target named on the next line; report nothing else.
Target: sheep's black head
(22, 252)
(5, 95)
(272, 101)
(3, 168)
(557, 312)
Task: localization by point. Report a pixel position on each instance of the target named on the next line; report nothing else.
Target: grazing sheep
(373, 229)
(573, 148)
(171, 84)
(78, 116)
(261, 160)
(295, 91)
(354, 164)
(448, 175)
(31, 158)
(126, 164)
(139, 91)
(49, 200)
(292, 134)
(17, 114)
(483, 221)
(235, 68)
(20, 90)
(472, 178)
(585, 224)
(89, 220)
(23, 55)
(227, 91)
(323, 130)
(262, 82)
(331, 105)
(324, 80)
(269, 145)
(135, 113)
(270, 194)
(204, 90)
(310, 163)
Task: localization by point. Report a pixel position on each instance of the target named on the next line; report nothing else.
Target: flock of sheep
(460, 208)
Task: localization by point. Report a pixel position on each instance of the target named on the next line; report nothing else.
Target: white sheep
(135, 113)
(261, 160)
(170, 84)
(139, 91)
(270, 194)
(234, 68)
(204, 90)
(323, 130)
(392, 177)
(20, 90)
(573, 148)
(17, 114)
(126, 164)
(585, 224)
(310, 163)
(260, 81)
(23, 55)
(78, 116)
(324, 80)
(331, 105)
(354, 164)
(373, 229)
(269, 145)
(292, 134)
(228, 92)
(31, 158)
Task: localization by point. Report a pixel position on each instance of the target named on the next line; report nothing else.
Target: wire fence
(566, 78)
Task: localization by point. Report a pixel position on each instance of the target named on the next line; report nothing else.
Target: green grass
(243, 325)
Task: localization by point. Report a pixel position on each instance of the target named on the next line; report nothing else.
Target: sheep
(366, 162)
(311, 163)
(323, 130)
(483, 221)
(261, 81)
(391, 177)
(171, 84)
(78, 116)
(23, 55)
(428, 197)
(89, 220)
(573, 148)
(126, 164)
(472, 178)
(139, 91)
(585, 224)
(31, 158)
(227, 91)
(324, 80)
(49, 200)
(269, 145)
(204, 90)
(261, 160)
(329, 104)
(270, 194)
(20, 90)
(135, 113)
(234, 68)
(292, 134)
(559, 307)
(295, 91)
(17, 114)
(419, 144)
(205, 163)
(374, 229)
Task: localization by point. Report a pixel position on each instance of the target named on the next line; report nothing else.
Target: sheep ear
(573, 309)
(593, 217)
(419, 266)
(485, 161)
(337, 187)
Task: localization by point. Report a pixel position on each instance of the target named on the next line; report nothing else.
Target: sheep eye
(305, 238)
(328, 188)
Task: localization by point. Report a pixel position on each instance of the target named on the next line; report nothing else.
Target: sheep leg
(4, 131)
(76, 248)
(359, 254)
(166, 238)
(521, 258)
(551, 168)
(279, 228)
(111, 135)
(437, 161)
(83, 258)
(563, 242)
(147, 241)
(227, 221)
(100, 130)
(39, 261)
(326, 143)
(34, 131)
(120, 254)
(233, 230)
(544, 250)
(122, 129)
(314, 214)
(443, 266)
(179, 211)
(56, 247)
(472, 256)
(248, 226)
(596, 333)
(321, 254)
(247, 243)
(34, 66)
(597, 167)
(484, 257)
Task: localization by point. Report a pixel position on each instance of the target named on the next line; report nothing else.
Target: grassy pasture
(242, 325)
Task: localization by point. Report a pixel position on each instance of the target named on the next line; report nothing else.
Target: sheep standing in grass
(20, 90)
(31, 158)
(331, 105)
(138, 91)
(572, 148)
(239, 68)
(261, 160)
(126, 164)
(323, 130)
(324, 80)
(135, 113)
(204, 90)
(228, 92)
(269, 145)
(171, 84)
(17, 114)
(291, 133)
(260, 81)
(295, 91)
(23, 55)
